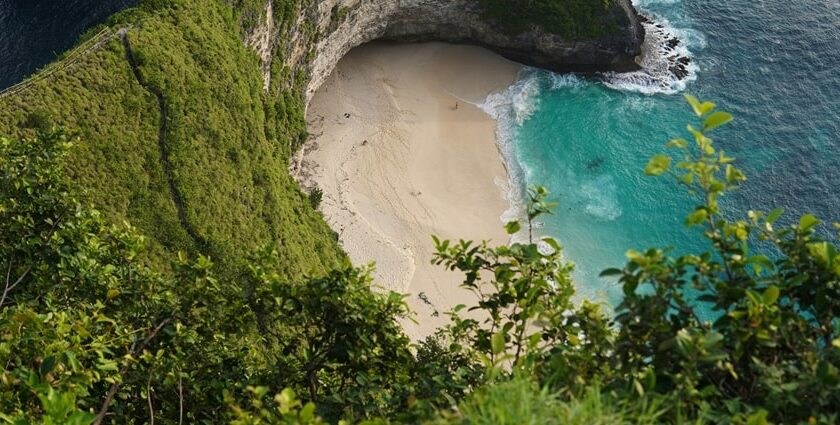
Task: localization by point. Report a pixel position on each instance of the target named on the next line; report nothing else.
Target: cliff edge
(188, 132)
(337, 26)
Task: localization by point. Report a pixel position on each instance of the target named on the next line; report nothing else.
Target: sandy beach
(402, 153)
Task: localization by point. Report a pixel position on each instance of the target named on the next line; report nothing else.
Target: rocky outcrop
(259, 39)
(336, 26)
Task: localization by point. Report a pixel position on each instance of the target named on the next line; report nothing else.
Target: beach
(402, 152)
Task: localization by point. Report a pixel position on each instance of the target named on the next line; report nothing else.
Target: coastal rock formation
(336, 26)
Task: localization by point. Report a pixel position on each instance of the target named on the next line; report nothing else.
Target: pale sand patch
(406, 164)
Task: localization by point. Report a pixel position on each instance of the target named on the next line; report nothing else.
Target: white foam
(643, 3)
(518, 102)
(511, 108)
(600, 196)
(657, 59)
(559, 81)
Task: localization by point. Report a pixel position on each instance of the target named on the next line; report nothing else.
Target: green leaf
(47, 365)
(774, 215)
(695, 104)
(307, 414)
(512, 227)
(822, 251)
(771, 295)
(760, 262)
(753, 297)
(552, 243)
(658, 165)
(697, 217)
(733, 175)
(611, 272)
(706, 107)
(807, 221)
(716, 120)
(639, 389)
(650, 379)
(80, 418)
(635, 256)
(497, 342)
(758, 418)
(288, 397)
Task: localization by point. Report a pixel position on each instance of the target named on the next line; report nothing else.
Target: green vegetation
(315, 197)
(226, 144)
(227, 299)
(338, 14)
(91, 334)
(572, 19)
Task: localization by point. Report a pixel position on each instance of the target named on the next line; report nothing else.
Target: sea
(34, 32)
(774, 64)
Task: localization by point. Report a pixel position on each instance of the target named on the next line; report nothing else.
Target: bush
(89, 331)
(39, 120)
(128, 323)
(315, 197)
(771, 353)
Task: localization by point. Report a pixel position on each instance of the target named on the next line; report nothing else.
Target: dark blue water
(775, 64)
(34, 32)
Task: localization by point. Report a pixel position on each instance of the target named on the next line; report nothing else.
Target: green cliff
(186, 114)
(179, 137)
(189, 111)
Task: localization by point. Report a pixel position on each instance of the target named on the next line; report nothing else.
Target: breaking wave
(666, 61)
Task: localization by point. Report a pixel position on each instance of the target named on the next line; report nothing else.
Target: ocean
(34, 32)
(772, 63)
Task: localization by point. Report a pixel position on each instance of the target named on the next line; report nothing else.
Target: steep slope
(192, 152)
(189, 111)
(613, 45)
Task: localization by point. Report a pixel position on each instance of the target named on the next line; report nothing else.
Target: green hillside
(159, 265)
(211, 177)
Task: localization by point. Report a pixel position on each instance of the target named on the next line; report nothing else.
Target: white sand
(407, 163)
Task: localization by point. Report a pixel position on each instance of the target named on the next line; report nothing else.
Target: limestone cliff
(336, 26)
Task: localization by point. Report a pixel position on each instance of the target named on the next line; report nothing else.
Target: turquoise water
(775, 64)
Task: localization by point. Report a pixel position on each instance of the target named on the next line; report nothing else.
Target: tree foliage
(226, 141)
(573, 19)
(90, 333)
(771, 351)
(102, 322)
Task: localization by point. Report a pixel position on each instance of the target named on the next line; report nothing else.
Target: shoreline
(402, 151)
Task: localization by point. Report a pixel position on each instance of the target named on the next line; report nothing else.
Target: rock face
(340, 25)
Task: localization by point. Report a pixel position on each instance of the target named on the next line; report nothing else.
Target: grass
(521, 402)
(228, 142)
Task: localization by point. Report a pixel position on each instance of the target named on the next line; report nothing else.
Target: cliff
(341, 25)
(189, 111)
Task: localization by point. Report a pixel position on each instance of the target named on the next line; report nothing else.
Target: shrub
(772, 351)
(39, 120)
(315, 197)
